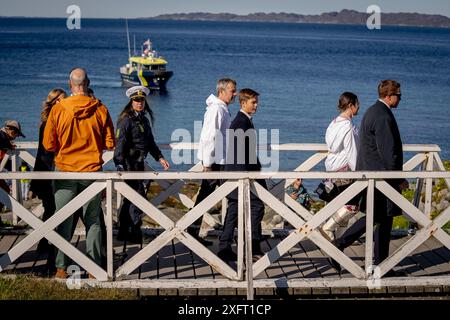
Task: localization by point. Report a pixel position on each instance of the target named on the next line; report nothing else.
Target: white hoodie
(342, 142)
(212, 144)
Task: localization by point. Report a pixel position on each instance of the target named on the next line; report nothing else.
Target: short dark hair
(246, 94)
(387, 88)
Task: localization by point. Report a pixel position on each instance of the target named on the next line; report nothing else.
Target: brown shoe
(61, 274)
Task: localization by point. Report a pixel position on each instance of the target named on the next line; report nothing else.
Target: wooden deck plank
(166, 261)
(288, 266)
(215, 248)
(7, 243)
(1, 246)
(202, 269)
(303, 262)
(440, 249)
(431, 262)
(433, 255)
(319, 261)
(12, 241)
(274, 270)
(149, 269)
(408, 265)
(184, 262)
(26, 262)
(294, 255)
(131, 250)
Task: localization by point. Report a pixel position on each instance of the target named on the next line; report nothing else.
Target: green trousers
(65, 191)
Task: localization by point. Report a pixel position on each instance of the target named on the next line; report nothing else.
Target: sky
(150, 8)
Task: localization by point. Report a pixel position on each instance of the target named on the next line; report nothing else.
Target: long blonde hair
(52, 98)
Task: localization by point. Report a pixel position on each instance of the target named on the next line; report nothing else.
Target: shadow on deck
(304, 261)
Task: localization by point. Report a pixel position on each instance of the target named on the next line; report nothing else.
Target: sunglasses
(398, 95)
(138, 99)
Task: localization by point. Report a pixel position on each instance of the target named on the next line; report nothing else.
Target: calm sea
(299, 70)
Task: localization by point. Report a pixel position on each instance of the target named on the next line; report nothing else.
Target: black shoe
(335, 265)
(257, 255)
(205, 242)
(43, 246)
(393, 273)
(122, 235)
(227, 255)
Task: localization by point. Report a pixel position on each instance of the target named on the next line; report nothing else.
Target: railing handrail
(320, 147)
(226, 175)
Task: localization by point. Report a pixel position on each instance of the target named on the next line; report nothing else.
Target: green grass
(26, 287)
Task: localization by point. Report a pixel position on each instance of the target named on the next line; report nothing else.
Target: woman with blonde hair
(43, 189)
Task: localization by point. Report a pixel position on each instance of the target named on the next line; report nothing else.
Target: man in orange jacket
(78, 129)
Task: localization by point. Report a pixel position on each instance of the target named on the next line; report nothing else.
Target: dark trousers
(257, 213)
(130, 215)
(207, 187)
(5, 187)
(48, 202)
(382, 236)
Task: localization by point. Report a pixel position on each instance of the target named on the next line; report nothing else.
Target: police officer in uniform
(134, 140)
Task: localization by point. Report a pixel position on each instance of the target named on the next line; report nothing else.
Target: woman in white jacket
(342, 142)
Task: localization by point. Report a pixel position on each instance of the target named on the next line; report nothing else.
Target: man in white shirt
(212, 144)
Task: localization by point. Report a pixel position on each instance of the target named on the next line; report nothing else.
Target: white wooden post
(241, 231)
(109, 229)
(369, 228)
(15, 192)
(428, 186)
(248, 239)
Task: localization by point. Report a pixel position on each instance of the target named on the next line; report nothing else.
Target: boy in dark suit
(242, 156)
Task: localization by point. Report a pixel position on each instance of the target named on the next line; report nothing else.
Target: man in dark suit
(242, 156)
(380, 149)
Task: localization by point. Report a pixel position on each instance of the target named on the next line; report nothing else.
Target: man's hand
(164, 163)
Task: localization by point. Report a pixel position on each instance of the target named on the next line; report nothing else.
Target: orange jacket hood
(81, 107)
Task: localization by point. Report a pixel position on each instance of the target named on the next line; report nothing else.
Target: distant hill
(343, 17)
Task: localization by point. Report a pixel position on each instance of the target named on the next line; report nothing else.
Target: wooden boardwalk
(305, 261)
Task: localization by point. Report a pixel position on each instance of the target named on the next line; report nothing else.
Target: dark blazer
(380, 149)
(44, 162)
(242, 152)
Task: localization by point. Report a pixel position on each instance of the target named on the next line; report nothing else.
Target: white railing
(304, 222)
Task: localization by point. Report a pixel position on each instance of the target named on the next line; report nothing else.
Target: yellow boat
(148, 69)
